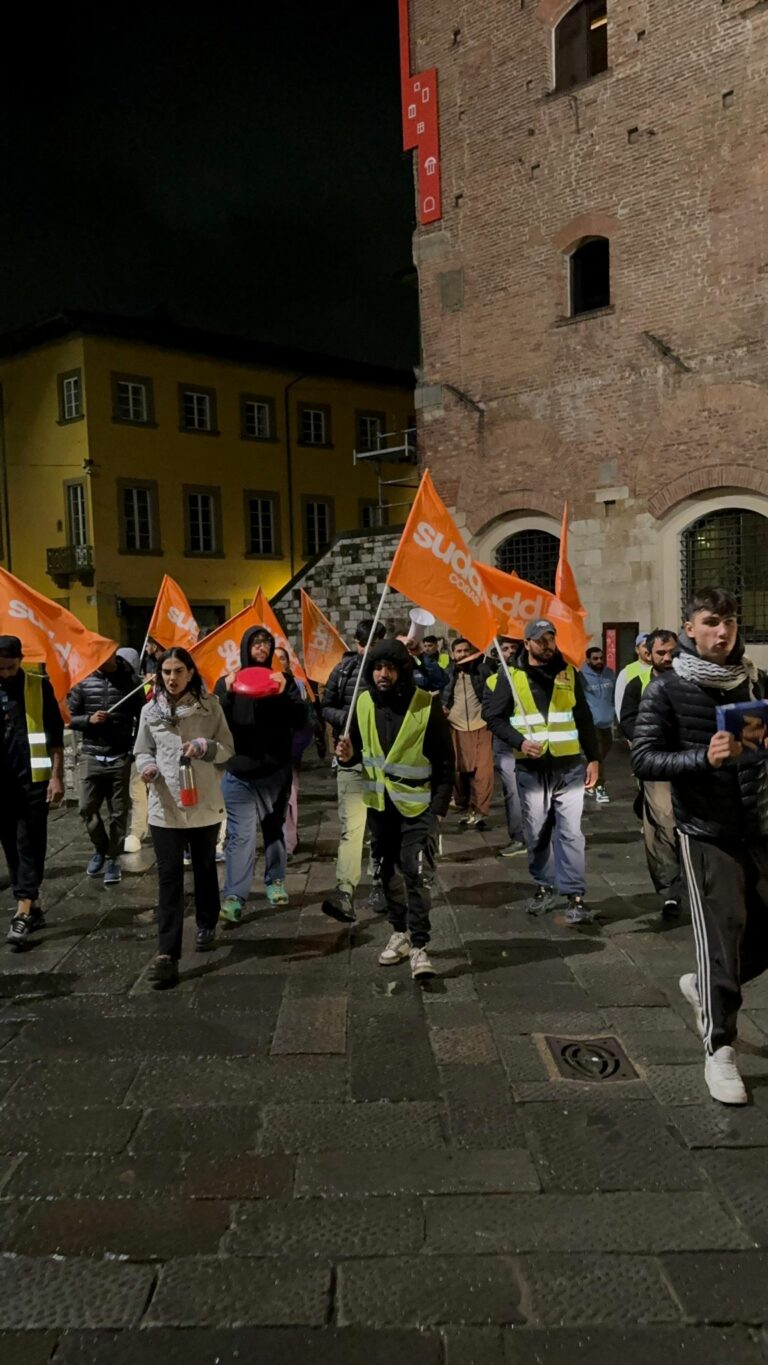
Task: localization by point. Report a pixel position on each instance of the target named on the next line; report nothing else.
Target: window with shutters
(581, 44)
(70, 388)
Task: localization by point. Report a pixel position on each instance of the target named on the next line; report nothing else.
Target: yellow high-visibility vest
(556, 731)
(39, 758)
(404, 774)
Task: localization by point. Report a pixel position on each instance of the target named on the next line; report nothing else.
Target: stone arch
(550, 12)
(708, 477)
(531, 516)
(594, 223)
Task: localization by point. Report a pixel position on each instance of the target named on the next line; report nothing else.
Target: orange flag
(50, 635)
(565, 583)
(515, 603)
(322, 646)
(434, 568)
(172, 624)
(267, 618)
(219, 652)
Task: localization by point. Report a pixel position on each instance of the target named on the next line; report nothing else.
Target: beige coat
(159, 743)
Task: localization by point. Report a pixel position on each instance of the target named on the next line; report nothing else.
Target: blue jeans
(252, 801)
(506, 766)
(552, 802)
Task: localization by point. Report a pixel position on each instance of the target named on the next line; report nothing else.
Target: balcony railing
(70, 561)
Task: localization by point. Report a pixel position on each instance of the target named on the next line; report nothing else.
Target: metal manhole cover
(590, 1059)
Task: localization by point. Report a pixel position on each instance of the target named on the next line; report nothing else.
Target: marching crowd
(418, 729)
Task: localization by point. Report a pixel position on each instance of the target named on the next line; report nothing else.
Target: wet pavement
(300, 1156)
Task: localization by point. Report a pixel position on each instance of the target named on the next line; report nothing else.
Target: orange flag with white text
(321, 644)
(219, 652)
(172, 624)
(565, 583)
(50, 635)
(268, 619)
(515, 603)
(434, 568)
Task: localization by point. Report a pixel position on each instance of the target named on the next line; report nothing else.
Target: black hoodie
(262, 729)
(498, 708)
(392, 705)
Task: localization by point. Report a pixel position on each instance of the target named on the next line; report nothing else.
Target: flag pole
(140, 688)
(504, 663)
(359, 677)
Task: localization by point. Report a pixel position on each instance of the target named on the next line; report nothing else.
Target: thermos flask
(187, 783)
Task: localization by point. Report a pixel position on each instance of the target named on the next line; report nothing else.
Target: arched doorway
(531, 554)
(729, 548)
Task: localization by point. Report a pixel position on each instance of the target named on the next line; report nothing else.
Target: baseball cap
(641, 638)
(535, 629)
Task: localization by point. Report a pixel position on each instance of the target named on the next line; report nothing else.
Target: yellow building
(132, 448)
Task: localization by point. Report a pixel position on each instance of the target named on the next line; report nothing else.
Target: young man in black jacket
(337, 700)
(257, 781)
(106, 757)
(548, 725)
(400, 737)
(720, 801)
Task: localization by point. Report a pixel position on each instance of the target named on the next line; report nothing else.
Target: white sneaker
(690, 990)
(601, 796)
(420, 964)
(131, 844)
(397, 950)
(722, 1076)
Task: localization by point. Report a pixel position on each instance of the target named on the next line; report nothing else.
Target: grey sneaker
(420, 964)
(397, 950)
(339, 906)
(542, 901)
(577, 911)
(513, 849)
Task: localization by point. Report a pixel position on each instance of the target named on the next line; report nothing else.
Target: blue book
(748, 722)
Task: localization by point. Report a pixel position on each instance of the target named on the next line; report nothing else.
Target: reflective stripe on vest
(645, 678)
(39, 758)
(556, 731)
(404, 774)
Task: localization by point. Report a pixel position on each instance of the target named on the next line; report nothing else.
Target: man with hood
(548, 724)
(720, 802)
(401, 738)
(257, 781)
(337, 700)
(105, 708)
(31, 779)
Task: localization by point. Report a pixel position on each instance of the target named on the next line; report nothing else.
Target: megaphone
(420, 619)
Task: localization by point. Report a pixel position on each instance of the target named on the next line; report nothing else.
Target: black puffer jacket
(100, 690)
(478, 671)
(675, 723)
(339, 691)
(262, 729)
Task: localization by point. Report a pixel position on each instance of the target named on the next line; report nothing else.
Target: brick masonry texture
(571, 406)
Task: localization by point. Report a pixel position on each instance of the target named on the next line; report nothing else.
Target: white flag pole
(359, 677)
(140, 688)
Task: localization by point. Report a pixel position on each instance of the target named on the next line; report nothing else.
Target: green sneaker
(277, 894)
(231, 909)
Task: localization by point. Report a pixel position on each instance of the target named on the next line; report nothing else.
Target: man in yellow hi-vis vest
(401, 737)
(31, 778)
(549, 727)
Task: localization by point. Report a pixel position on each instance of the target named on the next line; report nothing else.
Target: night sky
(240, 168)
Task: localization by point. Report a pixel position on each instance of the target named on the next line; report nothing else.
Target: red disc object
(255, 682)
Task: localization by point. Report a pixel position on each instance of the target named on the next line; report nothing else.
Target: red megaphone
(256, 683)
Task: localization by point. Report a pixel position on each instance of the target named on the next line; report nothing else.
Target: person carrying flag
(32, 779)
(402, 740)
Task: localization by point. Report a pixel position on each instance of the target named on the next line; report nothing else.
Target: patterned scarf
(723, 677)
(173, 712)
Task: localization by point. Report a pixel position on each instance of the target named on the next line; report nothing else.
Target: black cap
(535, 629)
(10, 647)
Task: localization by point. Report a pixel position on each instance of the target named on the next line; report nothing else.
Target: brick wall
(664, 397)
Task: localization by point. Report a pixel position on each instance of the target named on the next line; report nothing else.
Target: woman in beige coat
(182, 722)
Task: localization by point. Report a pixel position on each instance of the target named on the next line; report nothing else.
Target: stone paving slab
(415, 1186)
(623, 1222)
(209, 1292)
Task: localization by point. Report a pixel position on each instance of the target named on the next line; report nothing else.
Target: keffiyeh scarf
(723, 677)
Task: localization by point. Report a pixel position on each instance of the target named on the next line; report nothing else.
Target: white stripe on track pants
(728, 892)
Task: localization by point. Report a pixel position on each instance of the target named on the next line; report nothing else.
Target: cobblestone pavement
(299, 1156)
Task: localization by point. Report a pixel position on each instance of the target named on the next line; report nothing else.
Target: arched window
(531, 555)
(581, 43)
(729, 549)
(590, 275)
